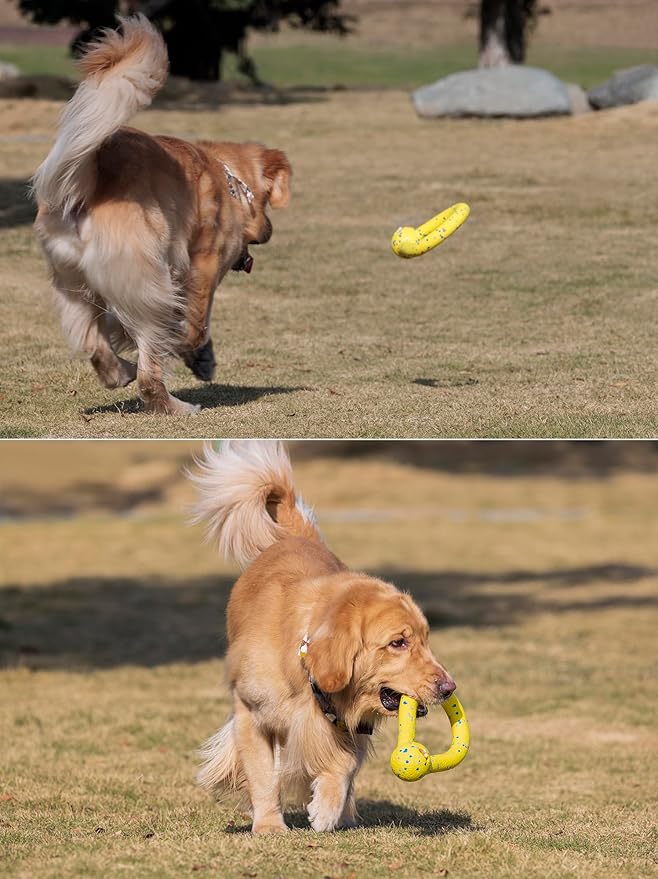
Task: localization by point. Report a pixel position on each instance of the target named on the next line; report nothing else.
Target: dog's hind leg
(150, 381)
(256, 750)
(81, 318)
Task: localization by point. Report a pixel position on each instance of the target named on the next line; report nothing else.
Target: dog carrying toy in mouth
(408, 242)
(391, 701)
(410, 760)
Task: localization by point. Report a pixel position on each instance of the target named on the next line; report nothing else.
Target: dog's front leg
(196, 346)
(257, 758)
(333, 803)
(332, 796)
(82, 321)
(201, 361)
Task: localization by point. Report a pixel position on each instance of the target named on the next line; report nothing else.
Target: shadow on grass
(383, 813)
(210, 396)
(467, 598)
(191, 97)
(104, 622)
(16, 207)
(27, 502)
(445, 383)
(558, 459)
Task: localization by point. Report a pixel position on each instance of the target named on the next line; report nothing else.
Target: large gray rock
(515, 90)
(626, 87)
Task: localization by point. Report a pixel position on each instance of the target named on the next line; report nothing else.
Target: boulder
(626, 87)
(516, 91)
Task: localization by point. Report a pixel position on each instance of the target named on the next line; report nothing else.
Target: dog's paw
(171, 406)
(115, 375)
(201, 361)
(323, 816)
(270, 825)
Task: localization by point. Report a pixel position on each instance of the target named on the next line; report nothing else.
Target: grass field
(537, 319)
(542, 596)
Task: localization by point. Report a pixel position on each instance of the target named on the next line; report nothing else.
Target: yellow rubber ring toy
(411, 760)
(408, 242)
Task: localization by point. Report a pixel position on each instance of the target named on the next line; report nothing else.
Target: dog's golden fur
(140, 230)
(361, 637)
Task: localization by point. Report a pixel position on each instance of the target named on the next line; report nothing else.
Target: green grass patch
(55, 60)
(333, 62)
(588, 66)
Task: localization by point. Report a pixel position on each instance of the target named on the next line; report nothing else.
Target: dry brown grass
(542, 595)
(538, 318)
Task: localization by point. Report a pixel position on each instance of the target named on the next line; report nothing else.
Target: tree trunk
(193, 44)
(502, 32)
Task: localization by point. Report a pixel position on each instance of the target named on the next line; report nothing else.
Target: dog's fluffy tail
(122, 73)
(248, 498)
(221, 770)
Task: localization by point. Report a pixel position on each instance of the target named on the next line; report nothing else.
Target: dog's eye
(399, 644)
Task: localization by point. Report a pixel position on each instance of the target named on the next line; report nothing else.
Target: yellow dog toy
(411, 760)
(408, 242)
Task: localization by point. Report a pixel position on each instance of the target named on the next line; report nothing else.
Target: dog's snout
(446, 688)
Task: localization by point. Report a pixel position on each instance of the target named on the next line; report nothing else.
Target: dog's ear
(331, 653)
(277, 173)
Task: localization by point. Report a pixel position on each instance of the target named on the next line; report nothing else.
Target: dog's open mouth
(245, 263)
(391, 701)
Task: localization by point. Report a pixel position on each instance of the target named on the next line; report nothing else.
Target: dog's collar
(237, 186)
(324, 701)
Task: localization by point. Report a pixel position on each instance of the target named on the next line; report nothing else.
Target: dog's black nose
(447, 688)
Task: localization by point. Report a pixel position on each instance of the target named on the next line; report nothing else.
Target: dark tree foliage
(504, 27)
(197, 32)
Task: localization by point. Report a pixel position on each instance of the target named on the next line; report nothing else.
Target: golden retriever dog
(317, 656)
(140, 230)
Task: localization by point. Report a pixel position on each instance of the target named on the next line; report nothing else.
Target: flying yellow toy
(411, 760)
(408, 242)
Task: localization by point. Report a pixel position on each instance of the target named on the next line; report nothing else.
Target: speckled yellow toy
(408, 242)
(411, 760)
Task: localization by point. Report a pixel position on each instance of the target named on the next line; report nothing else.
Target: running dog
(140, 230)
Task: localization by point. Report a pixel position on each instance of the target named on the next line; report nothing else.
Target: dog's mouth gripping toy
(410, 760)
(391, 699)
(408, 242)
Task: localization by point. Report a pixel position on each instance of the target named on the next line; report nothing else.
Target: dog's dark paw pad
(201, 361)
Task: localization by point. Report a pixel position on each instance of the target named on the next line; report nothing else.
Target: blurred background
(340, 43)
(100, 567)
